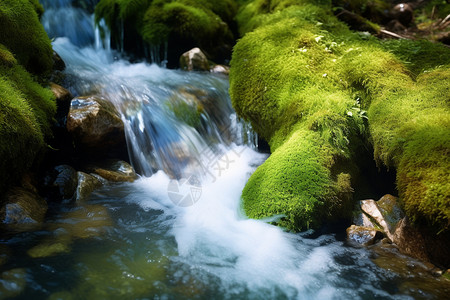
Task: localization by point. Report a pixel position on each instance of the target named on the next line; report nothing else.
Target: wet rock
(410, 240)
(391, 211)
(404, 13)
(83, 222)
(63, 98)
(58, 62)
(363, 220)
(194, 60)
(95, 124)
(86, 185)
(115, 170)
(364, 236)
(48, 249)
(61, 183)
(12, 283)
(220, 69)
(23, 207)
(370, 208)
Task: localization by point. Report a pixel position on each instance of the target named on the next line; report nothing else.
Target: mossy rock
(26, 115)
(315, 91)
(26, 107)
(183, 24)
(22, 33)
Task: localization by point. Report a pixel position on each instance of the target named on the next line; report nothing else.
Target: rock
(63, 98)
(403, 13)
(409, 240)
(363, 236)
(194, 60)
(370, 208)
(23, 207)
(58, 62)
(95, 124)
(13, 283)
(391, 211)
(220, 69)
(363, 220)
(48, 249)
(83, 222)
(86, 185)
(115, 170)
(61, 183)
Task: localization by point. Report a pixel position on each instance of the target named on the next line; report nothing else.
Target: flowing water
(161, 238)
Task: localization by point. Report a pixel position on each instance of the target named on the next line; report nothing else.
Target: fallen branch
(384, 31)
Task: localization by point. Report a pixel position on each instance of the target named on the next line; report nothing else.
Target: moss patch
(184, 24)
(24, 36)
(26, 108)
(317, 91)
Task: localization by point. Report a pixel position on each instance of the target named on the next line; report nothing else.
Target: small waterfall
(175, 121)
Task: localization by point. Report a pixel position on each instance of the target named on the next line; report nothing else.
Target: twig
(392, 34)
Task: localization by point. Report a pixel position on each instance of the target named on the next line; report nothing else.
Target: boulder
(23, 207)
(63, 98)
(95, 124)
(86, 185)
(115, 170)
(220, 69)
(61, 183)
(364, 236)
(194, 60)
(387, 216)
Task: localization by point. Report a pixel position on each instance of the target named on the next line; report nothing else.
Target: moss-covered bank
(137, 25)
(317, 92)
(26, 107)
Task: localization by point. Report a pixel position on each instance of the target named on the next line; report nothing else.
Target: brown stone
(95, 124)
(86, 185)
(23, 207)
(115, 170)
(363, 236)
(194, 60)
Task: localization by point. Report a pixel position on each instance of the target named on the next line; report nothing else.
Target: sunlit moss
(314, 90)
(24, 36)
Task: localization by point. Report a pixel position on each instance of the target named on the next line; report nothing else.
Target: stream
(178, 232)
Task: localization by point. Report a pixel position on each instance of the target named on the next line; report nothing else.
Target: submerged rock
(83, 222)
(23, 207)
(12, 283)
(95, 124)
(48, 249)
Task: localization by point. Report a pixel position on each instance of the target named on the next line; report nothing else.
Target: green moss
(296, 183)
(26, 114)
(314, 90)
(418, 56)
(198, 21)
(183, 23)
(24, 36)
